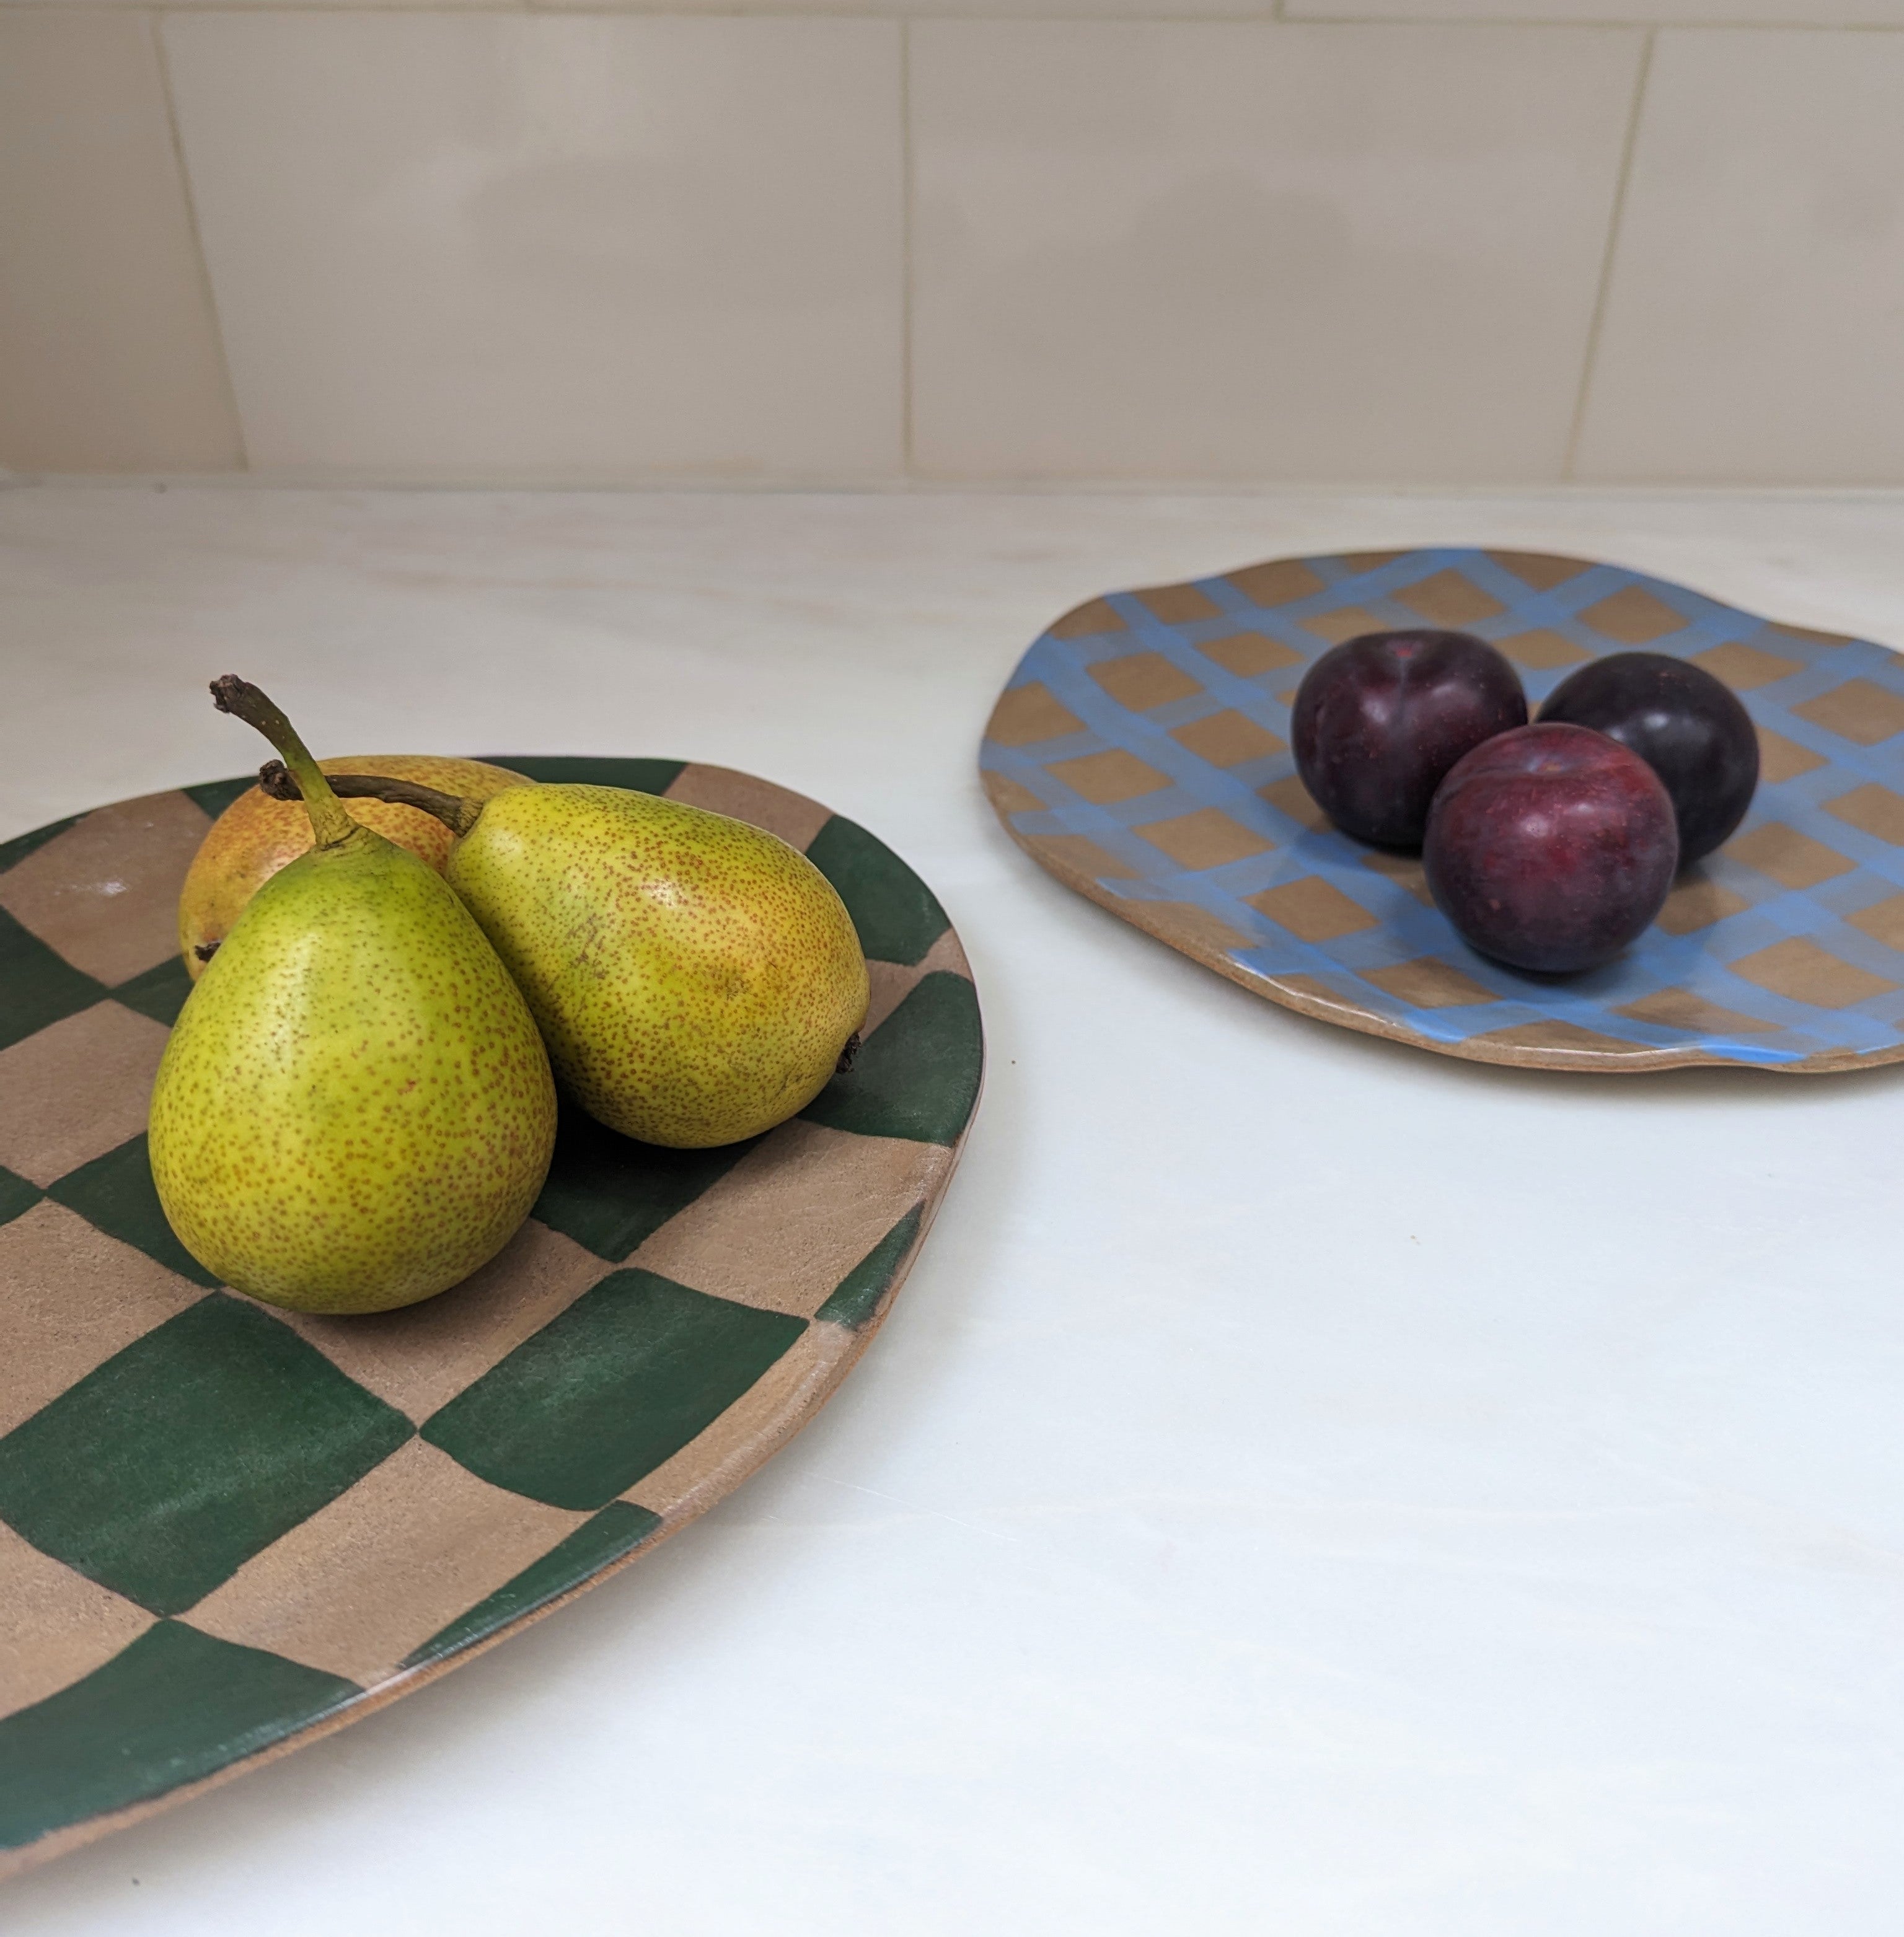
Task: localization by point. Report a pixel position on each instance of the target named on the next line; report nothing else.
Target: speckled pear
(696, 978)
(355, 1110)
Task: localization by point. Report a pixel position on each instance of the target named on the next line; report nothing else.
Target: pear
(354, 1111)
(256, 835)
(696, 980)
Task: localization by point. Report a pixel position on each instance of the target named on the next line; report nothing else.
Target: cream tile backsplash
(1754, 326)
(1151, 250)
(109, 356)
(464, 244)
(1711, 13)
(1370, 241)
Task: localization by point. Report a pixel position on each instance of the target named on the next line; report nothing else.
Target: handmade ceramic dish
(225, 1530)
(1140, 754)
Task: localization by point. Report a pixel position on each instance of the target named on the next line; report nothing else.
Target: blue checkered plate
(1140, 753)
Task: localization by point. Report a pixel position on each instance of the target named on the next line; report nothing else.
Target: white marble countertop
(1307, 1486)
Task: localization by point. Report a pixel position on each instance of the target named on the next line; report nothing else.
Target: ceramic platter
(1140, 753)
(226, 1529)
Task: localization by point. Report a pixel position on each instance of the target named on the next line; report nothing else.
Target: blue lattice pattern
(1141, 753)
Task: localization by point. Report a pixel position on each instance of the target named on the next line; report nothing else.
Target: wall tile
(109, 356)
(1744, 13)
(1754, 326)
(451, 245)
(76, 6)
(1291, 252)
(1033, 10)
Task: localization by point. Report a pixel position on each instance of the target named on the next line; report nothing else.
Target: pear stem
(456, 813)
(330, 823)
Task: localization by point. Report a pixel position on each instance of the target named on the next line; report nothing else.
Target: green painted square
(619, 1527)
(175, 1705)
(37, 985)
(16, 1195)
(13, 852)
(609, 1194)
(115, 1194)
(898, 916)
(623, 1380)
(917, 1075)
(163, 1471)
(855, 1298)
(214, 796)
(591, 770)
(159, 993)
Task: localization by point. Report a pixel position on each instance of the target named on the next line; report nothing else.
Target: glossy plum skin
(1551, 847)
(1378, 721)
(1689, 730)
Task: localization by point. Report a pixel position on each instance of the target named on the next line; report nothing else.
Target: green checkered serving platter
(227, 1528)
(1140, 753)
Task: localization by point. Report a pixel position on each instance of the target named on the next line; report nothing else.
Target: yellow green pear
(354, 1111)
(695, 979)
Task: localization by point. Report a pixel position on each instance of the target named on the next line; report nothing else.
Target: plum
(1379, 719)
(1550, 848)
(1689, 730)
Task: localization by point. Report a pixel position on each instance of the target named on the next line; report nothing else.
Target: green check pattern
(223, 1525)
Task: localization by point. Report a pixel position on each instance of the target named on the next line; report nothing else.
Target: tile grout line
(905, 247)
(1615, 218)
(884, 484)
(154, 19)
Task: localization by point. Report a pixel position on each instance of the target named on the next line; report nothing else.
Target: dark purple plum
(1689, 730)
(1379, 719)
(1550, 848)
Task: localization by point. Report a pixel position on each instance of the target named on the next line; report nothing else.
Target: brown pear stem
(456, 813)
(330, 823)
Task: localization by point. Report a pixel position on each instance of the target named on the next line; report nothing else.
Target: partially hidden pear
(256, 835)
(696, 978)
(355, 1110)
